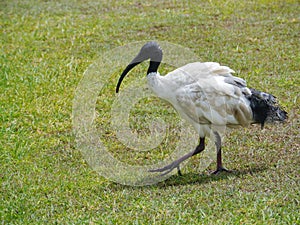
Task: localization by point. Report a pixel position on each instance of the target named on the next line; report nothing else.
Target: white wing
(207, 93)
(212, 106)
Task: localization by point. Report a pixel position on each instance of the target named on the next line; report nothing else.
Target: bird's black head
(150, 50)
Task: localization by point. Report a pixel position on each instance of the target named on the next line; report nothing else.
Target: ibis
(208, 96)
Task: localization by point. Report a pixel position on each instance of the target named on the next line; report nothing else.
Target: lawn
(45, 48)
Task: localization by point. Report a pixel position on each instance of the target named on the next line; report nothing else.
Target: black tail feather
(265, 109)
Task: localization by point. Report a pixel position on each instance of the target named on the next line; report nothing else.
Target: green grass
(45, 46)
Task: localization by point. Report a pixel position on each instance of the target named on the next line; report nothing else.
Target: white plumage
(208, 96)
(204, 94)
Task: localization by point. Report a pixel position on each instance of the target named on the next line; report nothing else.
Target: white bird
(208, 96)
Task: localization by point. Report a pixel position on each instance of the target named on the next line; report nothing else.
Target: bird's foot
(220, 170)
(167, 169)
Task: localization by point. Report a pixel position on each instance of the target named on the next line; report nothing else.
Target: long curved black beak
(127, 69)
(150, 50)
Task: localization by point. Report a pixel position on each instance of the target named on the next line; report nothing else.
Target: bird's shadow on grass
(196, 178)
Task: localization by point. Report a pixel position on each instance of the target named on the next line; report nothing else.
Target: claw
(221, 169)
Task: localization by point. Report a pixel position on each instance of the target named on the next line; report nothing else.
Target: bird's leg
(175, 164)
(197, 150)
(220, 167)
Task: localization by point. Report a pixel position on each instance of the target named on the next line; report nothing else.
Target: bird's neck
(153, 75)
(153, 67)
(157, 84)
(153, 79)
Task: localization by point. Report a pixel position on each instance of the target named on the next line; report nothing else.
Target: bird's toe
(220, 170)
